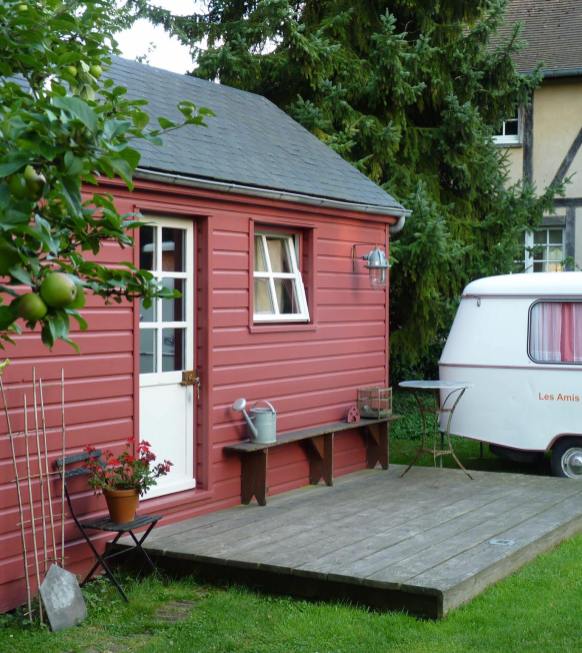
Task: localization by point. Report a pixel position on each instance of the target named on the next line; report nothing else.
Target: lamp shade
(377, 265)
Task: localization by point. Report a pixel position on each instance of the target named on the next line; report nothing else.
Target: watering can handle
(268, 404)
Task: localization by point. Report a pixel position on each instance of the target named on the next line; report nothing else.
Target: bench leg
(254, 477)
(320, 453)
(377, 445)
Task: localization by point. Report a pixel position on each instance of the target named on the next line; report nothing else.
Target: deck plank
(425, 543)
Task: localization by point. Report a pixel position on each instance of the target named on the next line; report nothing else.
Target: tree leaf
(7, 316)
(12, 164)
(79, 109)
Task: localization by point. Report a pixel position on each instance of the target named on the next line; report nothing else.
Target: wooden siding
(309, 372)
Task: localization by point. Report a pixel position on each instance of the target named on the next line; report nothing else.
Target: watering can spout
(250, 424)
(239, 405)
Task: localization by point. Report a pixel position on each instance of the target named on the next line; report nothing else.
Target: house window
(510, 132)
(279, 293)
(555, 332)
(544, 250)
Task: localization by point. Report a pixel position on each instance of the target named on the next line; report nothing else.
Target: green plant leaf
(78, 109)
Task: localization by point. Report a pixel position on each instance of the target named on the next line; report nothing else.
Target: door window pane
(173, 309)
(147, 248)
(173, 349)
(147, 314)
(173, 243)
(147, 351)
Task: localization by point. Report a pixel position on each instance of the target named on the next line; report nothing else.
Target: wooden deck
(425, 543)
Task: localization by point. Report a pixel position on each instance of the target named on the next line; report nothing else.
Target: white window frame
(291, 246)
(509, 139)
(530, 246)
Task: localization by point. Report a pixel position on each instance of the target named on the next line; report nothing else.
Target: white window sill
(507, 141)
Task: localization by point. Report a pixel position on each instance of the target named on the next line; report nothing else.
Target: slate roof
(553, 32)
(249, 142)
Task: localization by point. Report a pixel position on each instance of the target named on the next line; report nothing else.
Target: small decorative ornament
(353, 415)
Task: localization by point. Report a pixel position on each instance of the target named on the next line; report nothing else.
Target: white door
(166, 413)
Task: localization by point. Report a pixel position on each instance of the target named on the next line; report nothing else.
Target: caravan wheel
(567, 458)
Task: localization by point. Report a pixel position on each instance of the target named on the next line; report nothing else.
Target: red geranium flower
(125, 470)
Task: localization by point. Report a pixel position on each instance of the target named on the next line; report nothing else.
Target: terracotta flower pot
(122, 504)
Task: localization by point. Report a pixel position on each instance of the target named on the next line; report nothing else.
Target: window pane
(555, 335)
(173, 309)
(555, 236)
(147, 250)
(278, 255)
(286, 297)
(173, 348)
(147, 314)
(173, 244)
(511, 128)
(540, 237)
(555, 253)
(260, 263)
(147, 351)
(263, 299)
(538, 267)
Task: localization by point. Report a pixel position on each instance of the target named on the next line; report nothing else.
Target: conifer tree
(410, 92)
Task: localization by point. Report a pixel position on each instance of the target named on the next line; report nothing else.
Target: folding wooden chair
(73, 468)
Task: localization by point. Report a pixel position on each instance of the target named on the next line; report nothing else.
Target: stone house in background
(544, 139)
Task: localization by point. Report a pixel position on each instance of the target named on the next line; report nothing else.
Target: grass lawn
(538, 609)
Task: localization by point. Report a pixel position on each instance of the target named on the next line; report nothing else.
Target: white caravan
(518, 340)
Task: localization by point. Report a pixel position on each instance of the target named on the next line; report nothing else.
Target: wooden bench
(318, 444)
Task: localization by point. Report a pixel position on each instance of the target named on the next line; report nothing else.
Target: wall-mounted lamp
(376, 263)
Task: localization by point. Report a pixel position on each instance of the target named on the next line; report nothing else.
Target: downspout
(397, 227)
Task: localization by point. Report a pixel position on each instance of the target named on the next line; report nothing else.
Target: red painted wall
(309, 372)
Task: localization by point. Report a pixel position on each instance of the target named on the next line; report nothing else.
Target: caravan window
(555, 332)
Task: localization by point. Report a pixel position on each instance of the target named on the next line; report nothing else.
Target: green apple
(18, 187)
(58, 290)
(72, 70)
(80, 299)
(96, 70)
(31, 307)
(34, 181)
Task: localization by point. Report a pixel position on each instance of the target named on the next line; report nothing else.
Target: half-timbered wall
(551, 148)
(310, 372)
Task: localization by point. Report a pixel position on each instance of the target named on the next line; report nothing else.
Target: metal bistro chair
(73, 468)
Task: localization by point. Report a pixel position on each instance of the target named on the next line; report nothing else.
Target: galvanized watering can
(262, 421)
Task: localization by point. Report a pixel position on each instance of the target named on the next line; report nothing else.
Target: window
(544, 250)
(555, 332)
(510, 132)
(279, 294)
(163, 325)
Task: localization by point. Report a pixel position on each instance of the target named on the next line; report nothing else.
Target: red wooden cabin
(254, 220)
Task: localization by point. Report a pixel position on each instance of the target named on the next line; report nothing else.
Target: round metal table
(451, 391)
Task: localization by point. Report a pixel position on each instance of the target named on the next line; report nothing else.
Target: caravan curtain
(556, 332)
